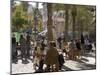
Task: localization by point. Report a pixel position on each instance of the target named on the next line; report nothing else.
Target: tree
(25, 5)
(57, 7)
(84, 19)
(66, 21)
(49, 22)
(19, 18)
(74, 13)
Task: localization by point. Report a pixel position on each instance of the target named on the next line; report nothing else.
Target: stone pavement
(87, 63)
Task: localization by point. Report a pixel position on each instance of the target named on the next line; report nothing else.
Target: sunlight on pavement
(72, 65)
(22, 68)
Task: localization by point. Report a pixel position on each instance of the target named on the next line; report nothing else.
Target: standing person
(83, 44)
(42, 45)
(72, 48)
(88, 45)
(66, 49)
(42, 56)
(51, 59)
(82, 39)
(78, 46)
(59, 41)
(45, 42)
(41, 63)
(61, 61)
(23, 49)
(28, 45)
(14, 51)
(37, 57)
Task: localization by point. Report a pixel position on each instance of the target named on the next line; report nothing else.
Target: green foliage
(84, 16)
(57, 7)
(39, 24)
(19, 18)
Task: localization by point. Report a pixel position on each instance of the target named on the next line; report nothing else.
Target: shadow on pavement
(67, 69)
(89, 55)
(87, 66)
(86, 60)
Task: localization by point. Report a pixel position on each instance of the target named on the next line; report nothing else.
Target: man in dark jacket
(78, 46)
(28, 45)
(59, 41)
(61, 61)
(14, 51)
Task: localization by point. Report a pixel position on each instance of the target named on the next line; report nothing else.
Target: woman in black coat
(61, 61)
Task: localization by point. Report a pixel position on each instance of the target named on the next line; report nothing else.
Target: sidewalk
(87, 63)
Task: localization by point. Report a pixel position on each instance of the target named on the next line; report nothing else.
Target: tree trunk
(80, 28)
(66, 23)
(35, 21)
(49, 22)
(74, 11)
(52, 53)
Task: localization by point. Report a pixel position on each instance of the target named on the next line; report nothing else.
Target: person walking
(28, 45)
(23, 49)
(37, 57)
(78, 51)
(83, 44)
(14, 51)
(72, 49)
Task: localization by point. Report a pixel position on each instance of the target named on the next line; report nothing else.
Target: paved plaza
(87, 62)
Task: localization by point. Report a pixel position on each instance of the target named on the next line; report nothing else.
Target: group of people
(47, 61)
(76, 47)
(24, 47)
(54, 57)
(47, 57)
